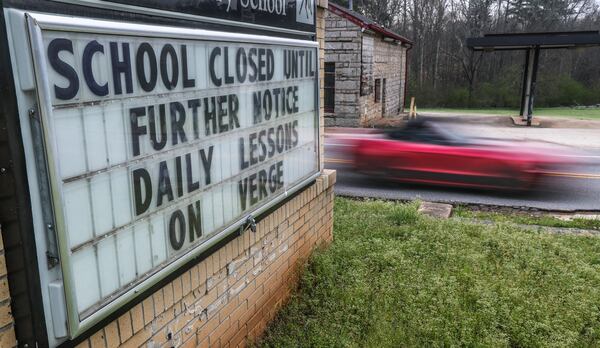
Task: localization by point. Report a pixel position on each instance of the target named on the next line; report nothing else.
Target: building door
(383, 83)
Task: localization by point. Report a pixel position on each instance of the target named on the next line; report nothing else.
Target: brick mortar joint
(6, 327)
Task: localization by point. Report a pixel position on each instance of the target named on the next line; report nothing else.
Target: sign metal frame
(36, 23)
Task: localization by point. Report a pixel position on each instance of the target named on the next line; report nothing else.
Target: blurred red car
(425, 152)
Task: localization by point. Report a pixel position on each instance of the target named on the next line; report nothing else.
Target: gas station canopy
(522, 41)
(532, 43)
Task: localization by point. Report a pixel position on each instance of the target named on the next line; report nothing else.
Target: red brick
(5, 315)
(240, 335)
(207, 328)
(248, 290)
(148, 307)
(215, 336)
(2, 266)
(84, 344)
(111, 333)
(243, 312)
(194, 278)
(159, 302)
(97, 340)
(4, 292)
(137, 317)
(186, 283)
(163, 319)
(125, 328)
(138, 339)
(228, 308)
(8, 338)
(177, 290)
(228, 334)
(168, 295)
(192, 342)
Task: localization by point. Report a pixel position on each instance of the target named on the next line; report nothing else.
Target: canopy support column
(529, 81)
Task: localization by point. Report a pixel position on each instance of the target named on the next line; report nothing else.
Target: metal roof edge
(366, 23)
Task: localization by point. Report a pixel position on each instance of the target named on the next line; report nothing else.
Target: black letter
(295, 132)
(263, 147)
(256, 97)
(121, 67)
(261, 64)
(253, 188)
(262, 184)
(194, 104)
(243, 191)
(164, 184)
(86, 62)
(179, 175)
(253, 72)
(63, 68)
(243, 163)
(156, 144)
(194, 222)
(267, 104)
(221, 113)
(233, 107)
(270, 134)
(191, 184)
(270, 64)
(164, 73)
(136, 130)
(210, 116)
(141, 204)
(177, 122)
(206, 163)
(187, 82)
(147, 85)
(241, 64)
(280, 173)
(280, 142)
(177, 239)
(228, 78)
(253, 148)
(211, 66)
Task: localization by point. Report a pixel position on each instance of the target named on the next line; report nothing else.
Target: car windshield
(452, 138)
(427, 132)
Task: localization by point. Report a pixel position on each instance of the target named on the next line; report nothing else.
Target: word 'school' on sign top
(162, 143)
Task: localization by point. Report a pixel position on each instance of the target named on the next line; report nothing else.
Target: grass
(394, 278)
(528, 219)
(592, 113)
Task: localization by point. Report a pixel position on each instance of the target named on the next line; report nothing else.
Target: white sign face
(156, 144)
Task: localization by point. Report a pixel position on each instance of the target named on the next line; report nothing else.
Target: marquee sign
(160, 141)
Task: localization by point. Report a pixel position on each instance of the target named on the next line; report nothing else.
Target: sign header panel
(289, 14)
(159, 145)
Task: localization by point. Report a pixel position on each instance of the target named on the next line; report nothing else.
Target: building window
(329, 87)
(377, 90)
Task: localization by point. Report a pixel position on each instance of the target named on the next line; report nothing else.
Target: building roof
(366, 22)
(520, 41)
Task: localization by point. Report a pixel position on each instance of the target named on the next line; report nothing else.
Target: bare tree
(440, 62)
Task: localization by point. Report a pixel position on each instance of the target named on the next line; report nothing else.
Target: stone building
(365, 69)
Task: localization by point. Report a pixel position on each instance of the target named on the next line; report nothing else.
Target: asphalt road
(576, 190)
